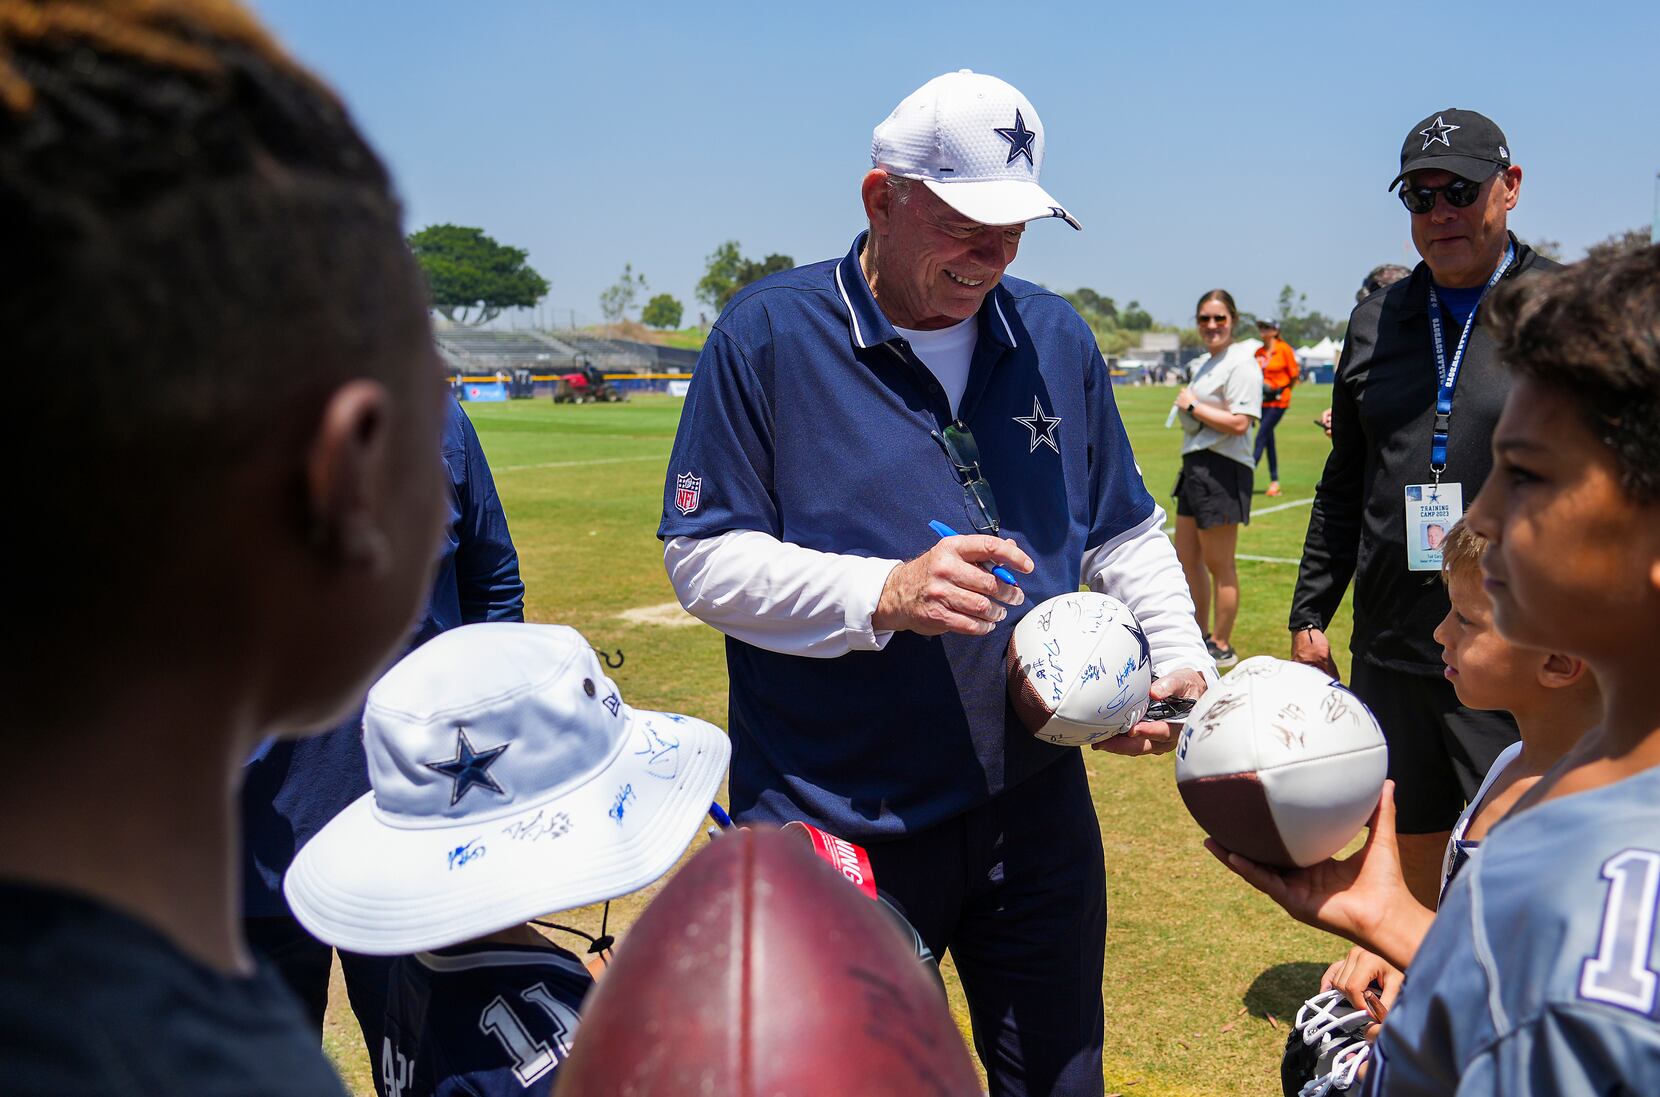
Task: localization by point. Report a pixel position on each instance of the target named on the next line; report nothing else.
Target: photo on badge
(1431, 510)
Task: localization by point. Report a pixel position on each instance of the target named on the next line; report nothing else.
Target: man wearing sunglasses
(1417, 393)
(839, 409)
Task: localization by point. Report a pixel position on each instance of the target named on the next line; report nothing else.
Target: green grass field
(1202, 974)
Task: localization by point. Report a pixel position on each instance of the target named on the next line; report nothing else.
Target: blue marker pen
(998, 570)
(720, 816)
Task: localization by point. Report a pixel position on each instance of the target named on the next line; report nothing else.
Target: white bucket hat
(510, 780)
(976, 142)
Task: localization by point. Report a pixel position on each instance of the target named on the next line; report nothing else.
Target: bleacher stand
(471, 352)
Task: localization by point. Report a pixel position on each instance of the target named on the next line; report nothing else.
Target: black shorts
(1439, 751)
(1213, 490)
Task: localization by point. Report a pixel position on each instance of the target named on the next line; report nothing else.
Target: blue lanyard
(1449, 373)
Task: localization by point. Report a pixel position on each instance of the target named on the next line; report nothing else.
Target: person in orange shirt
(1279, 374)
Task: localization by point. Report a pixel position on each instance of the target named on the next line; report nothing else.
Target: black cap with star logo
(1463, 142)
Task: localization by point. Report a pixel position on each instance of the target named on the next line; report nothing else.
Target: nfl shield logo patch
(688, 492)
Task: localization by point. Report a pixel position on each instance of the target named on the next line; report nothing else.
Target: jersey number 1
(1619, 973)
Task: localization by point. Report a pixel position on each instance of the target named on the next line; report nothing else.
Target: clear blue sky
(1238, 145)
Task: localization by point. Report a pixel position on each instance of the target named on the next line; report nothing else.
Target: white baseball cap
(509, 780)
(976, 142)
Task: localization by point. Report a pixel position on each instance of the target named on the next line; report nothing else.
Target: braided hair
(198, 237)
(200, 248)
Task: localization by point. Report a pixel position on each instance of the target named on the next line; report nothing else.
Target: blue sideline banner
(484, 392)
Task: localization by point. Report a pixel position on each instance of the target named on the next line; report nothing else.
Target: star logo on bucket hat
(1019, 138)
(469, 767)
(384, 875)
(1437, 131)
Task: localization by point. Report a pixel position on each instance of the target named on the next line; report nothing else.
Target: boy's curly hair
(1592, 332)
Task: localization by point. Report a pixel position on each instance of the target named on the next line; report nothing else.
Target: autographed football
(1280, 763)
(1079, 669)
(759, 971)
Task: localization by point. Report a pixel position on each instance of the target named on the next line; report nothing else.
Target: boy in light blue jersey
(1554, 700)
(1541, 973)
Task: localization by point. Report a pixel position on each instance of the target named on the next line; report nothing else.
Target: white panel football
(1079, 669)
(1280, 763)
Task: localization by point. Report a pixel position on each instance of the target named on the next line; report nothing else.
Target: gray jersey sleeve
(1570, 1050)
(1541, 972)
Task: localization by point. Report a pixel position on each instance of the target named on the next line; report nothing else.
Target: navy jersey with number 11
(480, 1020)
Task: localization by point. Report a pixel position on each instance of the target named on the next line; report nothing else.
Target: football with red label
(758, 970)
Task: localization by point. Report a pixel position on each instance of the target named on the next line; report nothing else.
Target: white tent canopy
(1324, 352)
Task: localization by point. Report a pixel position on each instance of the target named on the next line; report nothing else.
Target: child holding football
(1553, 697)
(1554, 700)
(1541, 972)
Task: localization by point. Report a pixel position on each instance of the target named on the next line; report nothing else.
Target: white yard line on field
(1255, 513)
(664, 613)
(579, 464)
(1281, 506)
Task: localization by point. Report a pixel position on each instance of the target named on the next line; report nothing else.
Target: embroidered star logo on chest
(1042, 427)
(1437, 131)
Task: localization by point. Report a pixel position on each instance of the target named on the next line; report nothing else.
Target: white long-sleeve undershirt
(800, 601)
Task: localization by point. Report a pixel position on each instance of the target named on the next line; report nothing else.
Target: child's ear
(1559, 671)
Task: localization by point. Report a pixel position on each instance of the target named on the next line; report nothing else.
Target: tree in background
(471, 277)
(727, 271)
(662, 311)
(615, 300)
(1301, 327)
(1116, 330)
(1135, 318)
(1618, 244)
(1101, 314)
(1088, 302)
(1550, 249)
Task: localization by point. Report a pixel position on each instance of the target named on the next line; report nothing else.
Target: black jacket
(1383, 412)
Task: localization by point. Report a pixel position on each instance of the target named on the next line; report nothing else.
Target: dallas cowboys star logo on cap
(468, 767)
(1019, 138)
(1437, 131)
(1042, 427)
